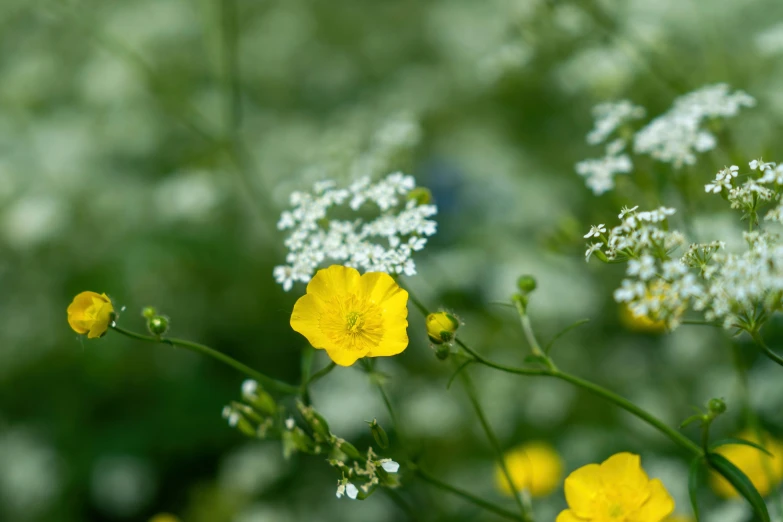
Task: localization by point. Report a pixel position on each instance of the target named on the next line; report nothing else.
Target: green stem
(268, 382)
(321, 373)
(766, 349)
(426, 477)
(494, 442)
(596, 390)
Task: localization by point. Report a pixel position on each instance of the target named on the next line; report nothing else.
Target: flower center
(354, 322)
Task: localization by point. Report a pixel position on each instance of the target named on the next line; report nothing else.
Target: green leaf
(564, 331)
(729, 441)
(691, 420)
(693, 484)
(741, 483)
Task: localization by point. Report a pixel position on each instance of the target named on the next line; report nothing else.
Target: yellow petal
(332, 281)
(379, 287)
(659, 505)
(625, 469)
(305, 320)
(344, 357)
(581, 489)
(101, 322)
(569, 516)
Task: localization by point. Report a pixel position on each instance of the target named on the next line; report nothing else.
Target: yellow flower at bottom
(640, 323)
(535, 467)
(90, 313)
(764, 471)
(164, 517)
(353, 316)
(618, 490)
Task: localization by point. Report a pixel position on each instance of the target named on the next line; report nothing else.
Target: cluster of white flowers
(369, 475)
(599, 173)
(740, 289)
(637, 233)
(676, 136)
(655, 286)
(384, 244)
(609, 117)
(673, 137)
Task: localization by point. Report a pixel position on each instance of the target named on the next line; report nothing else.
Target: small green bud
(526, 284)
(349, 449)
(442, 351)
(441, 327)
(716, 406)
(149, 312)
(317, 423)
(158, 325)
(420, 195)
(379, 434)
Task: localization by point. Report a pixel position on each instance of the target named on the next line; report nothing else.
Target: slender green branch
(268, 382)
(480, 502)
(766, 349)
(493, 441)
(321, 373)
(630, 407)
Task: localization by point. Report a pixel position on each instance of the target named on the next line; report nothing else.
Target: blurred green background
(148, 146)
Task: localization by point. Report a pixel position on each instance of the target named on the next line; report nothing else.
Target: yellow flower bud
(441, 327)
(535, 467)
(90, 313)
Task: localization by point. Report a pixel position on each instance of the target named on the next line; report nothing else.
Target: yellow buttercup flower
(618, 490)
(535, 467)
(90, 313)
(353, 316)
(764, 472)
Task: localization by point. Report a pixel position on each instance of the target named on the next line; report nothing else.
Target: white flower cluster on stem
(741, 289)
(384, 244)
(673, 137)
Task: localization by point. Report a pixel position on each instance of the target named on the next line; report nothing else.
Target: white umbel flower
(384, 244)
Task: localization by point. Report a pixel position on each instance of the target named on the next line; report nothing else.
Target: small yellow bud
(441, 327)
(90, 313)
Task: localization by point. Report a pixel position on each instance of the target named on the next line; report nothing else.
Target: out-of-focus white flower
(33, 220)
(611, 116)
(122, 485)
(676, 136)
(384, 244)
(769, 42)
(188, 196)
(599, 173)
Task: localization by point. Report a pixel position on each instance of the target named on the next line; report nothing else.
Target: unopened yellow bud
(441, 327)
